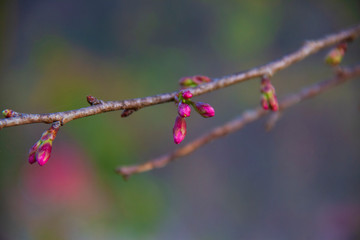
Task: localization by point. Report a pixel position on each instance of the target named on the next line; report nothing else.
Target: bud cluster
(193, 81)
(336, 54)
(183, 100)
(41, 150)
(268, 96)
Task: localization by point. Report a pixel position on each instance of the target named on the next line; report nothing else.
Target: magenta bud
(32, 152)
(264, 103)
(268, 97)
(204, 109)
(41, 150)
(179, 130)
(187, 95)
(184, 110)
(274, 105)
(42, 155)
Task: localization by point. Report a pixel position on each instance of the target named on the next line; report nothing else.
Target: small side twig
(238, 123)
(273, 119)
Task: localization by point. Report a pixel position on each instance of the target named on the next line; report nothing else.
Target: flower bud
(273, 103)
(204, 109)
(264, 103)
(187, 95)
(335, 55)
(184, 110)
(268, 97)
(43, 153)
(179, 130)
(32, 152)
(40, 151)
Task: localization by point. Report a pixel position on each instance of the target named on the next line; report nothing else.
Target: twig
(310, 47)
(270, 123)
(238, 123)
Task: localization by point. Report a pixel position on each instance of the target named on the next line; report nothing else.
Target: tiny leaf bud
(93, 100)
(8, 113)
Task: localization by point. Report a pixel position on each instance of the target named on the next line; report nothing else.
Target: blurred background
(299, 181)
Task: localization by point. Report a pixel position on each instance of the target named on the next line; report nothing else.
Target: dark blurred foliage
(299, 181)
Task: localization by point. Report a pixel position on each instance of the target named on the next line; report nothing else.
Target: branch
(238, 123)
(310, 47)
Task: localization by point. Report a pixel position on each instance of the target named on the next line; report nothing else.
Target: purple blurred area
(299, 181)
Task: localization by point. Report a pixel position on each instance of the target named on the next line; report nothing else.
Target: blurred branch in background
(309, 48)
(248, 116)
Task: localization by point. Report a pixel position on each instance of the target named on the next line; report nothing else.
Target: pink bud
(204, 109)
(32, 152)
(184, 110)
(179, 130)
(43, 153)
(264, 103)
(187, 95)
(268, 98)
(274, 105)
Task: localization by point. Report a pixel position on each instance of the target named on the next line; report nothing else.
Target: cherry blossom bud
(187, 95)
(8, 113)
(264, 103)
(273, 103)
(179, 130)
(32, 152)
(268, 97)
(184, 110)
(40, 151)
(43, 153)
(204, 109)
(335, 55)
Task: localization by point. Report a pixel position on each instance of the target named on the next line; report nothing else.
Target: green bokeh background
(299, 181)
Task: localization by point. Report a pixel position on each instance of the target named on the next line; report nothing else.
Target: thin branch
(238, 123)
(310, 47)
